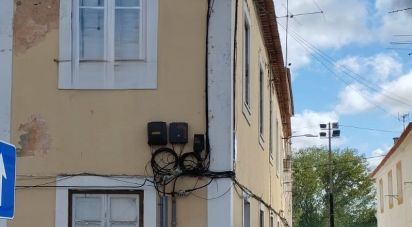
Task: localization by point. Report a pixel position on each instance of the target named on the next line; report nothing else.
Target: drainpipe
(174, 210)
(163, 211)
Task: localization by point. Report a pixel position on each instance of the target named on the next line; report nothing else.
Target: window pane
(88, 225)
(127, 32)
(123, 209)
(91, 2)
(128, 3)
(91, 40)
(88, 208)
(123, 225)
(261, 219)
(246, 213)
(246, 47)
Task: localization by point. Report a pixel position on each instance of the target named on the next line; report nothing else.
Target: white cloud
(377, 68)
(352, 100)
(396, 96)
(308, 122)
(378, 154)
(393, 23)
(342, 23)
(382, 84)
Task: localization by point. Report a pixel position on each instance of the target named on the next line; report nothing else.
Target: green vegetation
(354, 195)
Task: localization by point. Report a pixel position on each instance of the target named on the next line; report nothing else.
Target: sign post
(7, 179)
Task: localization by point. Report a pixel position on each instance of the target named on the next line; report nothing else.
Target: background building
(393, 184)
(87, 78)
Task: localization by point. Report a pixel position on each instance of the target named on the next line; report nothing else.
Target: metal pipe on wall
(174, 223)
(164, 211)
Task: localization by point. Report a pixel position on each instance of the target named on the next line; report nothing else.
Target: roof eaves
(393, 149)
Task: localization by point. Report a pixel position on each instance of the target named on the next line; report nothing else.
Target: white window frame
(390, 189)
(246, 200)
(64, 184)
(271, 220)
(261, 215)
(399, 182)
(246, 90)
(381, 196)
(144, 73)
(261, 126)
(277, 147)
(105, 197)
(271, 117)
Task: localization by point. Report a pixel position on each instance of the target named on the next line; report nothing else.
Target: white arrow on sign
(2, 174)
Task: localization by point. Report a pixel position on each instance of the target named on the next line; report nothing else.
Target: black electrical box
(198, 143)
(178, 132)
(157, 133)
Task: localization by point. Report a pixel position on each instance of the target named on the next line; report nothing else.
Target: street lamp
(332, 132)
(303, 135)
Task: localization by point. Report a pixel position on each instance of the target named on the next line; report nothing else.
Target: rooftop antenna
(403, 118)
(287, 16)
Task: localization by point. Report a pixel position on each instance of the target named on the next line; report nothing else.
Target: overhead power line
(337, 163)
(326, 60)
(369, 129)
(399, 10)
(354, 127)
(321, 59)
(300, 14)
(401, 43)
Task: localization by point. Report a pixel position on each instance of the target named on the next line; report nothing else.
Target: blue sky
(343, 70)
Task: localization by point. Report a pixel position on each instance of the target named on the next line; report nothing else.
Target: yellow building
(89, 82)
(393, 183)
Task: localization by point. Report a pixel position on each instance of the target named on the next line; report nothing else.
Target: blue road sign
(7, 179)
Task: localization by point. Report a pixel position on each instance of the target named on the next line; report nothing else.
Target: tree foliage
(354, 194)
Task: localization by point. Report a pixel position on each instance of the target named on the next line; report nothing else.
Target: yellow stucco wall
(101, 131)
(104, 131)
(262, 177)
(399, 214)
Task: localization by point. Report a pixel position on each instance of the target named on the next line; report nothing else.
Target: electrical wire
(335, 163)
(399, 10)
(369, 129)
(349, 126)
(49, 183)
(313, 50)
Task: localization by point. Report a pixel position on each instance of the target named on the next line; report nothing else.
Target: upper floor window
(390, 189)
(108, 44)
(261, 102)
(381, 198)
(246, 62)
(399, 182)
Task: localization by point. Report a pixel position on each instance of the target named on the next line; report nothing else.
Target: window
(399, 183)
(390, 189)
(261, 218)
(246, 63)
(246, 212)
(277, 151)
(270, 125)
(381, 198)
(147, 195)
(106, 208)
(108, 44)
(261, 103)
(271, 221)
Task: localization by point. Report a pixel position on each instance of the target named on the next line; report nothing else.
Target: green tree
(354, 194)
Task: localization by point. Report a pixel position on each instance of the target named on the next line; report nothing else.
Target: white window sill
(247, 113)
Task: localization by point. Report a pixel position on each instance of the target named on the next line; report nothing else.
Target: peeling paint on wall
(33, 19)
(34, 138)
